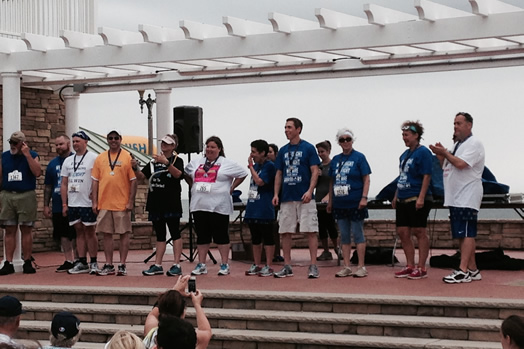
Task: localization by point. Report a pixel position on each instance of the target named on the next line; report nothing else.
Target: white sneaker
(200, 269)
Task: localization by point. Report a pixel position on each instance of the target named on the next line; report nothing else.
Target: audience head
(65, 330)
(125, 340)
(512, 332)
(10, 311)
(171, 303)
(175, 333)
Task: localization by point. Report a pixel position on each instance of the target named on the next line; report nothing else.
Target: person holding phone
(18, 173)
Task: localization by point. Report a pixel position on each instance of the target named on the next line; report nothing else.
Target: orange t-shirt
(114, 185)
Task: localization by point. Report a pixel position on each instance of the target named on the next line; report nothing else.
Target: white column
(164, 114)
(11, 123)
(71, 112)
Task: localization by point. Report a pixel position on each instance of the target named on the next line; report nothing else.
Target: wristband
(364, 197)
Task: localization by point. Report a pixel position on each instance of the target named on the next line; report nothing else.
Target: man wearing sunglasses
(113, 196)
(462, 172)
(18, 173)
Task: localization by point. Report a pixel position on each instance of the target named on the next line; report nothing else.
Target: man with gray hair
(18, 172)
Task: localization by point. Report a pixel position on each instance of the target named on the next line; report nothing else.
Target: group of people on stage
(95, 194)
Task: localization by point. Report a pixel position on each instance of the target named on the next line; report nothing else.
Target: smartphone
(191, 285)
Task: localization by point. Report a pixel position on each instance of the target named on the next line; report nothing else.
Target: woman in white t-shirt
(213, 178)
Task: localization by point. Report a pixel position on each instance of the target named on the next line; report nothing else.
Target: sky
(373, 107)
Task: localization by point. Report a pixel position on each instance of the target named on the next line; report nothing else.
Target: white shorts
(296, 212)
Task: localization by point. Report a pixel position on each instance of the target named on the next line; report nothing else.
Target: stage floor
(495, 283)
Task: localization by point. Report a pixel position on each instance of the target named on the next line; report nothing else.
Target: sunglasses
(410, 128)
(13, 142)
(113, 138)
(343, 140)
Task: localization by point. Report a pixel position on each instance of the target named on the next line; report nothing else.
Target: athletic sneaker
(418, 274)
(200, 269)
(175, 270)
(93, 268)
(475, 275)
(79, 268)
(7, 269)
(457, 277)
(122, 270)
(404, 273)
(266, 271)
(153, 270)
(325, 256)
(361, 272)
(108, 269)
(346, 271)
(253, 270)
(313, 272)
(27, 268)
(284, 272)
(224, 269)
(65, 267)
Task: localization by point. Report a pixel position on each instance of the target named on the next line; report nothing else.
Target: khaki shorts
(296, 212)
(113, 222)
(18, 208)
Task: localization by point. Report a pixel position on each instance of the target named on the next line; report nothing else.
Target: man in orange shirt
(113, 195)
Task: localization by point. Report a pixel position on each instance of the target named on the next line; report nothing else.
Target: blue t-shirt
(413, 166)
(295, 161)
(53, 178)
(259, 206)
(16, 174)
(347, 172)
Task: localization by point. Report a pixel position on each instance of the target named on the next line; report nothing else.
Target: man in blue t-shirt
(62, 231)
(18, 173)
(297, 173)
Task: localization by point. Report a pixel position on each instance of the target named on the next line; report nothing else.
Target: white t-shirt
(78, 173)
(210, 190)
(463, 188)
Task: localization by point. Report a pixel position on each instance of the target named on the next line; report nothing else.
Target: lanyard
(404, 162)
(75, 167)
(291, 159)
(459, 143)
(113, 164)
(341, 164)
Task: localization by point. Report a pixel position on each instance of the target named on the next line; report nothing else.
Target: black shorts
(61, 227)
(408, 216)
(211, 227)
(262, 233)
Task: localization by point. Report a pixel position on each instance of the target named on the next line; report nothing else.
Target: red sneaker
(404, 273)
(418, 274)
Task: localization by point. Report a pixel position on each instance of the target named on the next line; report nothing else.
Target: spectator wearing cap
(61, 229)
(75, 191)
(10, 311)
(113, 195)
(18, 172)
(65, 331)
(164, 203)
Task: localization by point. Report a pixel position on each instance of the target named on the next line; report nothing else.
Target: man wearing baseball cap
(65, 330)
(10, 311)
(113, 196)
(18, 172)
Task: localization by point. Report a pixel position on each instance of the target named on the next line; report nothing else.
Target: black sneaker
(7, 269)
(65, 267)
(28, 267)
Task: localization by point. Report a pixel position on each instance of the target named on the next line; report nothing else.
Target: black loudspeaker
(188, 128)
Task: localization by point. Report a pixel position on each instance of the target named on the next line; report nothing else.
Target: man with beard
(18, 172)
(61, 229)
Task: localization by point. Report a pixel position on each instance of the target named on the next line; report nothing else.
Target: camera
(191, 285)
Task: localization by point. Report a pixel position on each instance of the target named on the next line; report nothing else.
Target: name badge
(14, 176)
(341, 190)
(203, 187)
(252, 194)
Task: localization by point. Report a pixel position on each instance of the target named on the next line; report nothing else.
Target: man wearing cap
(77, 205)
(65, 330)
(61, 229)
(10, 311)
(18, 172)
(113, 196)
(164, 204)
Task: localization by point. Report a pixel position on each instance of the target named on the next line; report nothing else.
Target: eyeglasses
(111, 138)
(410, 128)
(343, 140)
(13, 142)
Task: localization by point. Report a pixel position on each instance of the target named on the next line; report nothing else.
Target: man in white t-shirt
(462, 172)
(75, 191)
